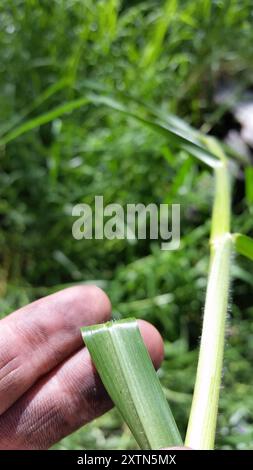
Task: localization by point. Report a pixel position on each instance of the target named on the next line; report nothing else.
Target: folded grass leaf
(126, 370)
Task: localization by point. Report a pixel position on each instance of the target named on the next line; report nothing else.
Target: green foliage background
(170, 54)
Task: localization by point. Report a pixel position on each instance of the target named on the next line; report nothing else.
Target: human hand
(48, 384)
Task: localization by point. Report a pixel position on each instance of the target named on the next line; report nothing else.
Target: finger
(36, 338)
(61, 402)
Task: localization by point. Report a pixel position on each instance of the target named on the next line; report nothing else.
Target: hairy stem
(204, 410)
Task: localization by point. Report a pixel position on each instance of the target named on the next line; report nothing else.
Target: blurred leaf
(154, 46)
(249, 185)
(243, 245)
(177, 134)
(44, 96)
(43, 119)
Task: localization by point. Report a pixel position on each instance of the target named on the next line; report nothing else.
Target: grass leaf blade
(126, 370)
(43, 119)
(243, 245)
(176, 134)
(249, 185)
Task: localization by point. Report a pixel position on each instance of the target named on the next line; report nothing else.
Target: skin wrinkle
(8, 350)
(50, 349)
(31, 422)
(44, 334)
(86, 390)
(8, 367)
(7, 380)
(56, 406)
(49, 419)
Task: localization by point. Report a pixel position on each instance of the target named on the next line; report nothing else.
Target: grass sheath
(204, 410)
(126, 370)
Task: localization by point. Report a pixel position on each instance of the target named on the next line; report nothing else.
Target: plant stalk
(204, 410)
